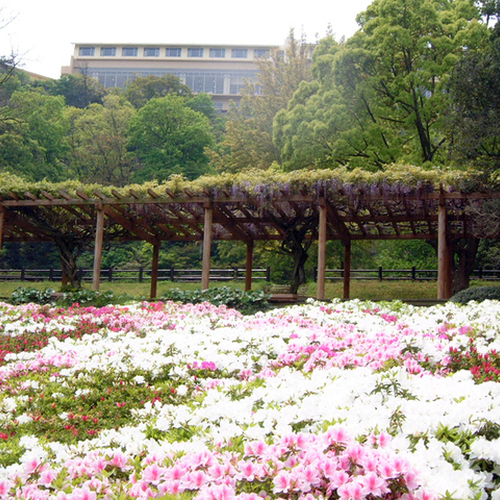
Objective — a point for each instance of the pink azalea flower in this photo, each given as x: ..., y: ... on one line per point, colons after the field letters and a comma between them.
x: 196, y: 479
x: 152, y: 473
x: 282, y: 482
x: 119, y: 460
x: 338, y: 478
x: 171, y: 487
x: 248, y: 470
x: 83, y: 493
x: 373, y: 485
x: 218, y: 492
x: 351, y: 491
x: 5, y: 486
x: 31, y: 465
x: 336, y: 435
x: 248, y: 496
x: 47, y: 476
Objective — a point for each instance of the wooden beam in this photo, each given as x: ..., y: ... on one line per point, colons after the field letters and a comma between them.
x: 444, y: 255
x: 249, y: 266
x: 207, y: 245
x: 154, y: 272
x: 2, y: 218
x: 99, y: 235
x: 347, y: 269
x: 321, y: 250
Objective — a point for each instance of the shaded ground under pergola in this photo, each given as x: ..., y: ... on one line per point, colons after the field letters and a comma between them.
x: 369, y: 213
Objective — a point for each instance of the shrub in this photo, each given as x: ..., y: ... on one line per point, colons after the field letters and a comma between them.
x: 478, y: 294
x: 86, y: 297
x: 83, y: 297
x: 22, y: 295
x: 246, y: 302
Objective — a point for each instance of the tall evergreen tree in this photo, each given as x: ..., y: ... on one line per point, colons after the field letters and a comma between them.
x: 384, y: 98
x: 248, y: 142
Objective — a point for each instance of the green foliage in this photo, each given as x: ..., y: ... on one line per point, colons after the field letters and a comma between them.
x: 33, y: 136
x: 380, y: 97
x: 83, y: 297
x: 98, y: 142
x: 24, y: 295
x: 400, y: 177
x: 477, y: 294
x: 78, y: 91
x: 248, y: 142
x: 404, y: 255
x: 246, y: 302
x: 475, y: 111
x: 110, y: 404
x: 168, y: 137
x: 141, y: 90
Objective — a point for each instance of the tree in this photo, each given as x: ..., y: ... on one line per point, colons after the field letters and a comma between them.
x: 8, y: 63
x: 33, y: 136
x: 167, y: 137
x: 248, y: 142
x: 383, y: 99
x: 474, y: 115
x: 78, y: 91
x: 98, y: 142
x: 140, y: 90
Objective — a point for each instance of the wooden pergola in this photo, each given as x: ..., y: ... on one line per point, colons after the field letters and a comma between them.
x: 360, y: 213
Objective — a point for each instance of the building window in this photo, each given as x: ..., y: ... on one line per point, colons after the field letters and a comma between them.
x: 108, y: 51
x: 239, y: 53
x: 237, y: 82
x: 129, y: 52
x: 151, y: 52
x: 173, y: 52
x: 86, y: 51
x: 195, y: 52
x: 217, y: 52
x: 261, y: 53
x: 211, y: 83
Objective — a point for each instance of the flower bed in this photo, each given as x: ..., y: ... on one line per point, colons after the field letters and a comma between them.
x: 333, y: 400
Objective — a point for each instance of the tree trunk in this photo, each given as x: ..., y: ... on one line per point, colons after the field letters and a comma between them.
x: 69, y: 252
x: 465, y: 250
x: 464, y: 260
x: 296, y: 245
x: 299, y: 256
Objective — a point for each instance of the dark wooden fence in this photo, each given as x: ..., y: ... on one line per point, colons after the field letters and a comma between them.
x: 187, y: 275
x: 403, y: 274
x: 139, y: 274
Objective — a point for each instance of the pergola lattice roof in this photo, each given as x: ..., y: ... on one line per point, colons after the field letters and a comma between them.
x: 154, y: 218
x: 324, y: 207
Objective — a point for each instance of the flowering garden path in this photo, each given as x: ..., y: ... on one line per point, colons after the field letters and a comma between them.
x: 340, y: 400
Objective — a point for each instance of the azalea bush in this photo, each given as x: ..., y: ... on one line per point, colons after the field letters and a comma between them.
x: 340, y: 400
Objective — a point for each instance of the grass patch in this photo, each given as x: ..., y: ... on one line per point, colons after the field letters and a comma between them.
x: 360, y: 289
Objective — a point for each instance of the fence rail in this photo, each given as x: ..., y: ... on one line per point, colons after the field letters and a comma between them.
x: 139, y: 274
x: 413, y: 274
x: 228, y: 274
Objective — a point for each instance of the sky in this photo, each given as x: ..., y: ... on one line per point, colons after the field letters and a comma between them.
x: 42, y: 32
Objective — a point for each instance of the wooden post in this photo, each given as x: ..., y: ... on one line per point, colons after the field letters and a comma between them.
x: 249, y: 266
x: 154, y: 271
x: 347, y: 269
x: 321, y: 250
x: 207, y: 245
x: 444, y: 256
x: 2, y: 218
x: 99, y: 235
